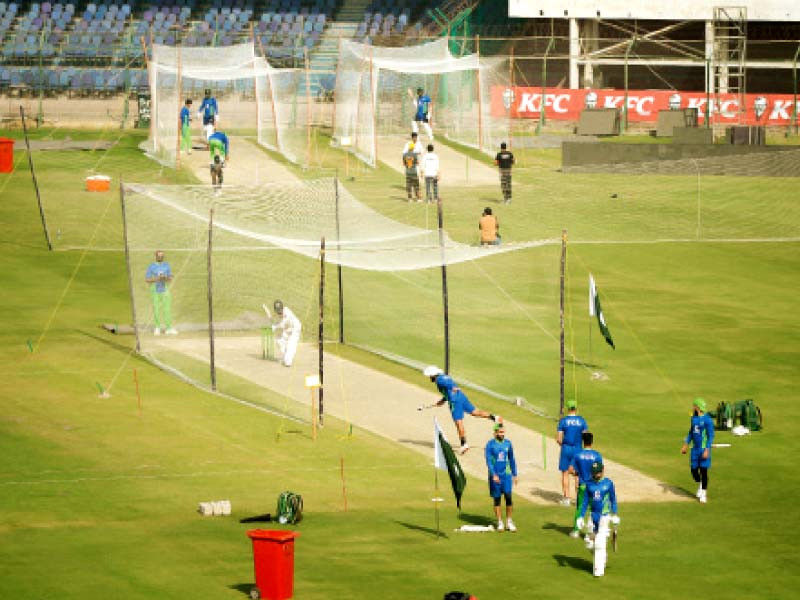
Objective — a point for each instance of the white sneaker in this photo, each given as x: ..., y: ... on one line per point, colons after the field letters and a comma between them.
x: 703, y: 499
x: 510, y: 526
x: 156, y: 331
x: 463, y: 450
x: 574, y: 533
x: 171, y: 331
x: 564, y: 502
x: 699, y: 490
x: 500, y: 526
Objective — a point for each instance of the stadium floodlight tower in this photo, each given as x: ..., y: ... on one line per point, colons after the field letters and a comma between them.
x: 255, y: 99
x: 375, y: 89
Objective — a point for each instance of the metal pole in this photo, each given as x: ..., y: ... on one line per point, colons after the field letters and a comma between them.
x: 708, y: 95
x: 445, y: 302
x: 211, y: 304
x: 40, y: 113
x: 321, y: 325
x: 178, y: 137
x: 794, y: 82
x: 480, y: 103
x: 339, y: 262
x: 128, y: 262
x: 561, y: 312
x: 542, y: 117
x: 35, y: 183
x: 513, y: 97
x: 625, y: 105
x: 308, y: 110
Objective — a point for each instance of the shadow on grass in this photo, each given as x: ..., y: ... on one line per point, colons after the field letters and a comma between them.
x: 580, y: 564
x: 422, y: 443
x: 427, y: 530
x: 678, y: 491
x: 104, y: 340
x: 475, y: 519
x: 243, y: 587
x: 565, y: 529
x: 485, y: 199
x: 546, y: 494
x: 582, y: 363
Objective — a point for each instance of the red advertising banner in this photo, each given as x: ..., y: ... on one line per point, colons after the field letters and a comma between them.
x: 643, y: 105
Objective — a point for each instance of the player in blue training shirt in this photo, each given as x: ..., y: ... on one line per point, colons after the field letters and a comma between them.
x: 502, y: 474
x: 158, y: 276
x: 185, y: 121
x: 701, y: 436
x: 601, y: 498
x: 423, y: 112
x: 458, y: 402
x: 570, y: 429
x: 209, y: 111
x: 581, y: 466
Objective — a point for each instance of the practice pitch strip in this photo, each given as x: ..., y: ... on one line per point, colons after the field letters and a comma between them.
x: 388, y: 407
x: 248, y: 165
x: 457, y: 170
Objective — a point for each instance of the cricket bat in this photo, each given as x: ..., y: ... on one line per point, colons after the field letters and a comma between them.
x: 266, y: 310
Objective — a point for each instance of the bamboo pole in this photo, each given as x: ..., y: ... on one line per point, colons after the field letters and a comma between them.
x: 480, y: 101
x: 561, y: 315
x: 212, y: 364
x: 321, y: 335
x: 128, y: 263
x: 35, y: 182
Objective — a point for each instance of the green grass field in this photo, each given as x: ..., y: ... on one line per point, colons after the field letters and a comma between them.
x: 98, y: 495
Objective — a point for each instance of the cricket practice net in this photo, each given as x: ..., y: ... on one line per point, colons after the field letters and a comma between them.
x: 264, y: 243
x: 376, y: 87
x: 254, y: 98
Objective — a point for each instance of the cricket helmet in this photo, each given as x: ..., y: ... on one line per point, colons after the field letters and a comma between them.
x: 431, y: 371
x: 597, y: 469
x: 278, y: 307
x: 208, y: 91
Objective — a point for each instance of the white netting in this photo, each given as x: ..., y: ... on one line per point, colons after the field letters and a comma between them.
x: 294, y: 216
x: 254, y: 98
x: 372, y: 95
x: 266, y: 246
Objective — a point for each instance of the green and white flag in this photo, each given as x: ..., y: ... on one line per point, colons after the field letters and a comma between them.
x: 596, y: 310
x: 445, y: 459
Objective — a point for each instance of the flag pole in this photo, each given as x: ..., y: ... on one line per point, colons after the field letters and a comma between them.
x: 436, y: 499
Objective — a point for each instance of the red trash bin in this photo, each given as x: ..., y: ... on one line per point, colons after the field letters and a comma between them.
x: 6, y: 155
x: 273, y: 556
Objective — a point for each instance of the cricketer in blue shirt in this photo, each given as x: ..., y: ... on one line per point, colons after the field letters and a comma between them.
x: 502, y: 473
x: 158, y: 275
x: 600, y: 499
x: 423, y: 102
x: 581, y: 465
x: 570, y: 428
x: 700, y: 436
x: 218, y: 141
x: 457, y: 401
x: 208, y: 109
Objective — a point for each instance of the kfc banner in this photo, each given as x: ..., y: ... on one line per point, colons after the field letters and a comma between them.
x: 643, y: 105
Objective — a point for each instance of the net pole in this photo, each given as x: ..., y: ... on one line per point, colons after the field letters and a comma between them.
x: 372, y: 89
x: 151, y: 75
x: 339, y: 263
x: 335, y: 100
x: 511, y: 108
x: 212, y: 365
x: 308, y: 106
x: 35, y: 182
x: 480, y: 102
x: 561, y: 313
x: 128, y: 263
x: 321, y: 325
x: 179, y: 85
x: 444, y: 289
x: 255, y: 87
x: 794, y: 87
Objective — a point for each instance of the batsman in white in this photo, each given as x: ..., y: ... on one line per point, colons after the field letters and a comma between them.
x: 602, y: 498
x: 290, y: 328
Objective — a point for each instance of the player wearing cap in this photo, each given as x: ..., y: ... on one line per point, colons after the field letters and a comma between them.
x: 458, y: 402
x: 422, y: 112
x: 290, y: 332
x: 570, y: 428
x: 502, y: 474
x: 601, y: 497
x: 701, y: 436
x: 209, y: 112
x: 581, y: 466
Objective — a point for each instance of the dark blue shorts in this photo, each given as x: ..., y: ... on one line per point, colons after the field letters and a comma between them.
x: 503, y: 487
x: 565, y: 459
x: 697, y: 461
x: 461, y: 405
